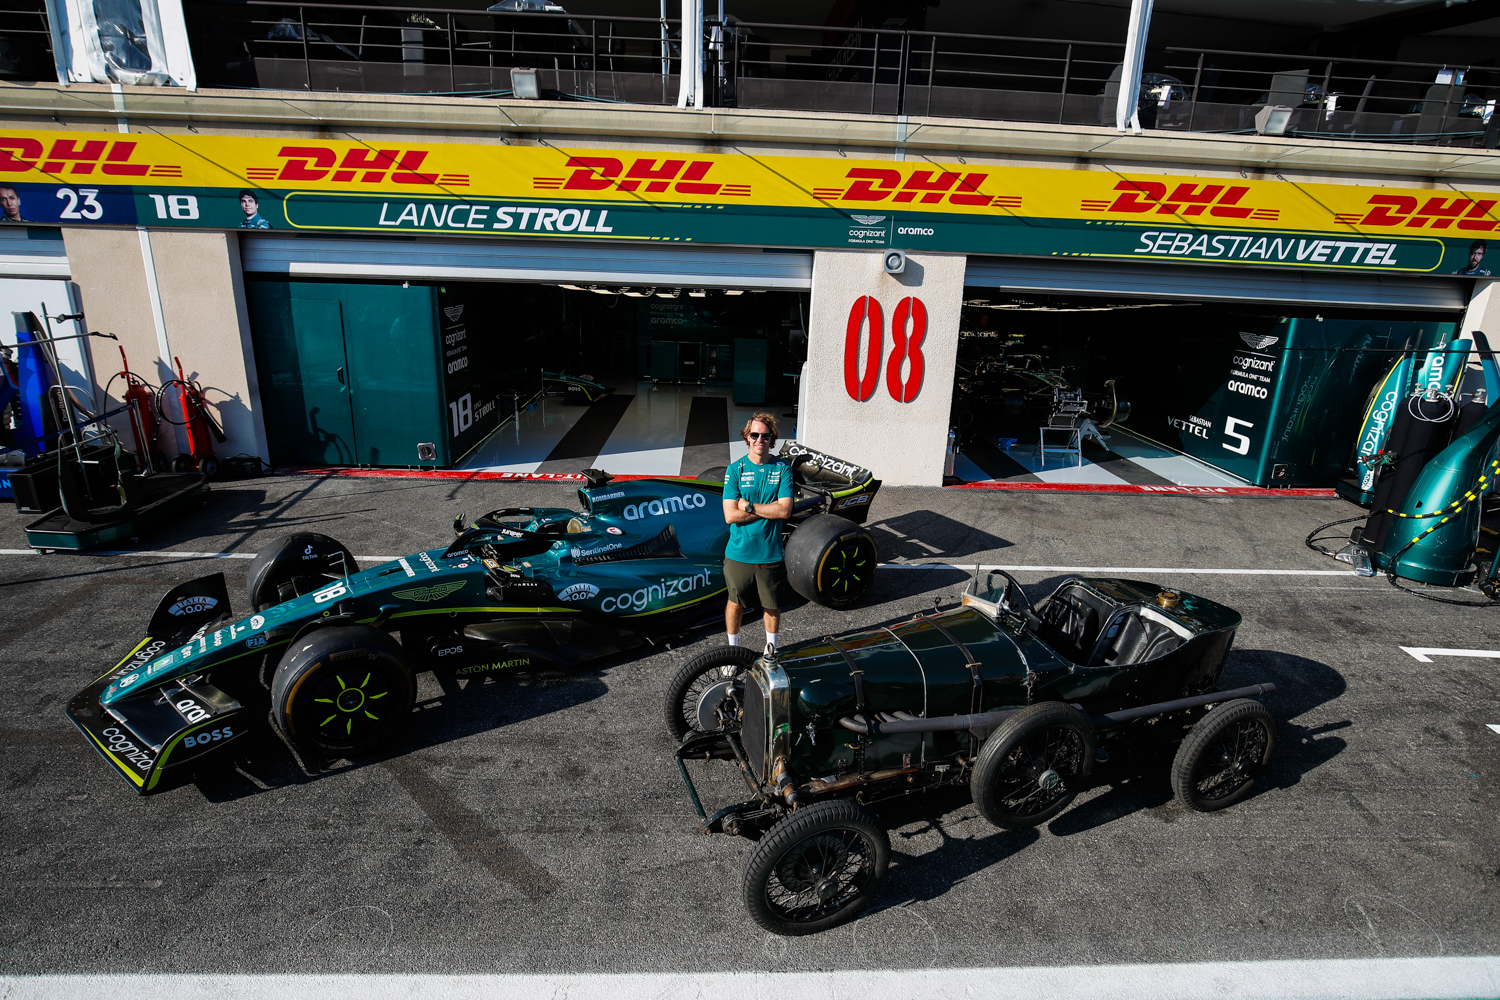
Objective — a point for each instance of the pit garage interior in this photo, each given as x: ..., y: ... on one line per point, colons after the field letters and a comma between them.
x: 458, y: 354
x: 1222, y: 377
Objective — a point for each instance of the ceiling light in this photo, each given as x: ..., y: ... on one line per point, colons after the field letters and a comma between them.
x: 698, y: 293
x: 734, y: 291
x: 1272, y: 119
x: 574, y: 288
x: 670, y: 293
x: 645, y: 293
x: 601, y: 291
x: 523, y: 84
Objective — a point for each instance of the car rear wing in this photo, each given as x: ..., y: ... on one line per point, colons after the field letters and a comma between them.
x: 848, y: 488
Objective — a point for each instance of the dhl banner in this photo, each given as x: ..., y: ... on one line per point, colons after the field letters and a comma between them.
x: 73, y: 178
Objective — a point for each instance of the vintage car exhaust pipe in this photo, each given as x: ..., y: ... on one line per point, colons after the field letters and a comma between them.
x: 989, y: 720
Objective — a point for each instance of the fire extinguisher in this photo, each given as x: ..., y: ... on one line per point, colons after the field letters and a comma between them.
x: 202, y: 429
x: 142, y: 395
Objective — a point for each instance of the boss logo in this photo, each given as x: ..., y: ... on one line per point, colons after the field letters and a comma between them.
x: 209, y: 737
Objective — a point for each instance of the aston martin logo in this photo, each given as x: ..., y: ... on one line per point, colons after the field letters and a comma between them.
x: 424, y: 594
x: 1257, y: 341
x: 867, y: 220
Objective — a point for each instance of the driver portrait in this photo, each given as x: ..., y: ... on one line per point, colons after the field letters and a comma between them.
x: 250, y: 205
x: 1476, y: 257
x: 10, y: 205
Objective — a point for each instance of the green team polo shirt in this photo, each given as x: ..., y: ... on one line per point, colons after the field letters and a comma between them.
x: 760, y: 540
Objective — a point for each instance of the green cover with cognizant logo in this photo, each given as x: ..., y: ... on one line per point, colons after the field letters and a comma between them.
x: 1279, y: 408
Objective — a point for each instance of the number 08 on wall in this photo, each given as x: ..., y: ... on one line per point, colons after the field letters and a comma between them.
x: 908, y: 330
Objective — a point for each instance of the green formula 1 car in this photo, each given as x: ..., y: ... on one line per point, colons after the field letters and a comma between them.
x: 335, y: 650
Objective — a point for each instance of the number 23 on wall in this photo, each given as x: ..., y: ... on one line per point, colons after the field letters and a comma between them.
x: 908, y: 330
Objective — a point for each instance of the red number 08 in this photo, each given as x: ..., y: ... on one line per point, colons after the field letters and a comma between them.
x: 866, y: 316
x: 861, y: 386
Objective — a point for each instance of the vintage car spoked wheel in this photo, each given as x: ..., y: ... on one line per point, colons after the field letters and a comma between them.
x: 831, y: 560
x: 342, y: 689
x: 1033, y: 765
x: 1224, y: 755
x: 698, y: 692
x: 816, y: 868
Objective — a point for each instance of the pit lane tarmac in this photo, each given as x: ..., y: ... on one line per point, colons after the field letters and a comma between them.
x: 534, y: 824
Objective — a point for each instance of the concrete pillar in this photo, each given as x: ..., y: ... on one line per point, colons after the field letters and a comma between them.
x: 901, y: 442
x: 1483, y: 313
x: 166, y: 293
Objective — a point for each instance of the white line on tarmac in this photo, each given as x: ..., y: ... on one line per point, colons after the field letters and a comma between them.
x: 970, y: 567
x: 1424, y: 654
x: 963, y: 567
x: 1494, y: 726
x: 1451, y: 978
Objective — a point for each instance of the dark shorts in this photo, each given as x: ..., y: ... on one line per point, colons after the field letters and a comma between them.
x: 745, y: 580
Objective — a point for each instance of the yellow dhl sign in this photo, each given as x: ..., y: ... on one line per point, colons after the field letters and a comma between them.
x: 74, y: 178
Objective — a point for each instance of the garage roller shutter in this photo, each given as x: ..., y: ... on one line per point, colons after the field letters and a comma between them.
x: 1215, y: 284
x: 33, y: 253
x: 581, y: 262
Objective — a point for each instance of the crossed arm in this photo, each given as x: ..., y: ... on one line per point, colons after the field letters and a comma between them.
x: 735, y: 512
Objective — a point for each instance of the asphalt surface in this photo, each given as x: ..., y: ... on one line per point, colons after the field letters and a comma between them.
x: 535, y: 822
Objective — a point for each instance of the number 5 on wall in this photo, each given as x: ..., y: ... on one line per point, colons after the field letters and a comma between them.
x: 866, y: 316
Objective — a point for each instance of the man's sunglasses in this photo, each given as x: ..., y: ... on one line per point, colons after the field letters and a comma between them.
x: 756, y: 436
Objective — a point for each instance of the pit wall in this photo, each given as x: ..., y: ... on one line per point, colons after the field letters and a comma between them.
x: 901, y: 440
x: 166, y: 294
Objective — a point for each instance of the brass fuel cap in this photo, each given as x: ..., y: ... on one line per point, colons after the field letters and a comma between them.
x: 1169, y: 598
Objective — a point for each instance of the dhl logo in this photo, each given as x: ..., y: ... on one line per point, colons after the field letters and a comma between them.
x: 1437, y: 213
x: 19, y: 154
x: 359, y: 165
x: 1220, y: 201
x: 601, y: 173
x: 923, y: 187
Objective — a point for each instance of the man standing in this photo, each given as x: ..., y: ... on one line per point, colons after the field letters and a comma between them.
x: 757, y: 498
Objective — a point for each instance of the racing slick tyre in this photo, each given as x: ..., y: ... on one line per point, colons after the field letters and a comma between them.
x: 816, y: 868
x: 1033, y: 765
x: 830, y: 560
x: 341, y: 690
x: 295, y: 565
x: 1224, y: 755
x: 704, y: 684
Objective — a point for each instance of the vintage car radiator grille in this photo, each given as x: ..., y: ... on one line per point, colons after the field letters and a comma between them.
x: 757, y: 722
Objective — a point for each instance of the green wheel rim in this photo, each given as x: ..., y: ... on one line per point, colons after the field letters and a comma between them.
x: 846, y: 570
x: 349, y: 704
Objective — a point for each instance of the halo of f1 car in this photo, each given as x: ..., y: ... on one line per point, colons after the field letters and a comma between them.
x: 1019, y: 702
x: 642, y: 562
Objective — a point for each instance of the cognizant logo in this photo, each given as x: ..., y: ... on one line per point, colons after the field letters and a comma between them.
x: 668, y: 587
x: 666, y: 505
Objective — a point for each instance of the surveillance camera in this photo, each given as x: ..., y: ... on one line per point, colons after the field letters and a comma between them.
x: 895, y: 262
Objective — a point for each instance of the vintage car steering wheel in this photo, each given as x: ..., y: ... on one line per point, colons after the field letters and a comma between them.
x: 1014, y: 598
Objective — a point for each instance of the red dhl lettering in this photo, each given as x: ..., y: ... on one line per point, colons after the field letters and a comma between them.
x: 370, y: 166
x: 600, y: 173
x: 1435, y: 213
x: 927, y: 187
x: 18, y: 155
x: 1185, y: 199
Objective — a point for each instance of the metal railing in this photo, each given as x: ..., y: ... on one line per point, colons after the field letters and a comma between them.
x: 25, y: 41
x: 360, y: 48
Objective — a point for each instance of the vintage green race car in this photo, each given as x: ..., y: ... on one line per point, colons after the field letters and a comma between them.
x: 335, y: 650
x: 1020, y: 703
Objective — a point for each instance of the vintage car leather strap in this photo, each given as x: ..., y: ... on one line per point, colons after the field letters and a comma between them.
x: 976, y: 698
x: 858, y: 676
